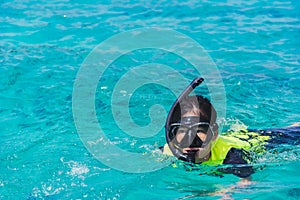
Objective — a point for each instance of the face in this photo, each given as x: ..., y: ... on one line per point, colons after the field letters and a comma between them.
x: 202, y: 154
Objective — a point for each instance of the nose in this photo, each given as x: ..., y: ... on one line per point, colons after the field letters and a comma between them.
x: 196, y: 141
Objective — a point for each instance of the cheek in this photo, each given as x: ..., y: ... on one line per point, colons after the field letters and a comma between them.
x: 202, y: 136
x: 204, y: 152
x: 179, y: 137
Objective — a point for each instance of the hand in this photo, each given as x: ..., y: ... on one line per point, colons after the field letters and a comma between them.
x: 296, y: 124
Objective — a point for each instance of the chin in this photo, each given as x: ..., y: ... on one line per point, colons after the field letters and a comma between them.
x: 202, y: 154
x: 185, y: 150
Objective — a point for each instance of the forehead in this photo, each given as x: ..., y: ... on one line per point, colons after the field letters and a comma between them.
x: 192, y: 113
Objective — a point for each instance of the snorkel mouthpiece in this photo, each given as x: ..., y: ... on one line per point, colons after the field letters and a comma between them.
x: 190, y: 156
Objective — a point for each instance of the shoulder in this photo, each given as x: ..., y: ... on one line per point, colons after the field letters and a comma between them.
x: 238, y: 158
x: 232, y: 142
x: 166, y: 150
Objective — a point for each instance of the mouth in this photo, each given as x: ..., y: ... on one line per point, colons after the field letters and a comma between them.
x: 191, y: 150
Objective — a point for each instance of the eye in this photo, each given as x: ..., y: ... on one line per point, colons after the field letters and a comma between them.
x: 200, y: 130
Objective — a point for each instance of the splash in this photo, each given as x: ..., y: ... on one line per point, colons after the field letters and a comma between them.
x: 76, y: 169
x: 281, y: 154
x: 232, y: 125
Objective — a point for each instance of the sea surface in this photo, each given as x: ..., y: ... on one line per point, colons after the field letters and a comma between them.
x: 44, y: 45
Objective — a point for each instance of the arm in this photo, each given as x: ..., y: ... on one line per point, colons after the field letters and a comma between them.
x: 295, y: 124
x: 226, y: 192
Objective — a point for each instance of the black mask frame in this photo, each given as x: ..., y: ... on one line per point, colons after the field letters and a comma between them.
x: 189, y: 134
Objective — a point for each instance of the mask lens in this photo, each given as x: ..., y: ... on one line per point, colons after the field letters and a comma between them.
x: 179, y: 132
x: 190, y: 136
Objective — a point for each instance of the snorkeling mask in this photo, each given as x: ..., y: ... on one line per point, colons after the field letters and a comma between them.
x: 184, y: 134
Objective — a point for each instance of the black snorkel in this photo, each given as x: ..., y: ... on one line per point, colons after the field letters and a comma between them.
x: 190, y: 156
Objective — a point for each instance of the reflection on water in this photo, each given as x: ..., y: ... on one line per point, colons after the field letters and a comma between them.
x: 42, y: 45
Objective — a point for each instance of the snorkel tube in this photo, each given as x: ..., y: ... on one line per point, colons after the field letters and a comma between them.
x: 176, y: 152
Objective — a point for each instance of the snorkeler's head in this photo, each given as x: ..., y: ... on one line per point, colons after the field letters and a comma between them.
x: 191, y: 125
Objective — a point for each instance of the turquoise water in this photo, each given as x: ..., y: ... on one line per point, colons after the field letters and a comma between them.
x: 254, y: 44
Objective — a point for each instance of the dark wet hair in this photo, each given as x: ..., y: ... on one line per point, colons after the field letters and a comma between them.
x: 197, y: 104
